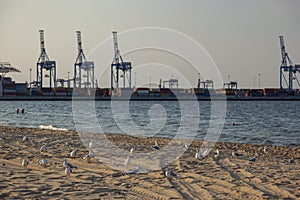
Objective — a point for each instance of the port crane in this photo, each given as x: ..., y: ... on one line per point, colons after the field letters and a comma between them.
x: 45, y: 64
x: 119, y: 65
x: 83, y: 69
x: 207, y: 84
x: 288, y: 71
x: 6, y: 67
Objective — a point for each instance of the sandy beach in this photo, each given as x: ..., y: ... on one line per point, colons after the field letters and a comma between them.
x: 272, y: 176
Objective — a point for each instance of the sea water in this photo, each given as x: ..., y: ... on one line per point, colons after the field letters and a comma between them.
x: 257, y: 122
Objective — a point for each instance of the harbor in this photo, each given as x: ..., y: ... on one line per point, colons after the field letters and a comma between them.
x: 84, y: 86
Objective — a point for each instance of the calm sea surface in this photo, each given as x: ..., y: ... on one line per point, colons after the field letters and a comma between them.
x: 258, y: 122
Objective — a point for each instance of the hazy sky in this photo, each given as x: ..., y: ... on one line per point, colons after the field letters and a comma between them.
x: 240, y: 36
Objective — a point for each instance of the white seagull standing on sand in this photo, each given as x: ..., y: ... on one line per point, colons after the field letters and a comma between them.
x: 155, y: 146
x: 25, y: 163
x: 265, y: 149
x: 253, y: 159
x: 43, y: 162
x: 68, y: 171
x: 186, y: 146
x: 170, y: 174
x: 91, y: 144
x: 69, y: 143
x: 43, y: 149
x: 127, y: 162
x: 25, y: 138
x: 66, y: 164
x: 73, y: 154
x: 132, y: 149
x: 199, y: 155
x: 218, y: 153
x: 205, y: 153
x: 89, y: 156
x: 235, y: 154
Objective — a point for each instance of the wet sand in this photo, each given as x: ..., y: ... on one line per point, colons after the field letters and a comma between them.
x: 222, y: 177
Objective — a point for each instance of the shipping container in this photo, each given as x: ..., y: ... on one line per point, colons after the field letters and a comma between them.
x: 240, y: 93
x: 9, y: 91
x: 47, y: 92
x: 271, y: 92
x: 125, y: 92
x: 36, y: 92
x: 21, y: 89
x: 256, y: 93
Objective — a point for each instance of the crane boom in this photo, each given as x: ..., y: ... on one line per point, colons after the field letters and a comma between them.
x: 116, y: 48
x: 284, y: 55
x: 283, y: 52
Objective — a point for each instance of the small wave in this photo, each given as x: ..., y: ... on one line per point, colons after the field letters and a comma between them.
x: 50, y: 127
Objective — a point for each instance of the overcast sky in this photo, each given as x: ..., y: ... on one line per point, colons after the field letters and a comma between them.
x: 240, y: 36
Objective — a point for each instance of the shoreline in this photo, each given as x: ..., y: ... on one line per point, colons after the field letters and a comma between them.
x: 54, y: 128
x: 271, y: 176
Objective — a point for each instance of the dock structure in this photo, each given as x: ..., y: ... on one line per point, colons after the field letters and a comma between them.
x: 45, y: 64
x: 84, y: 70
x: 119, y: 68
x: 288, y: 70
x: 85, y: 85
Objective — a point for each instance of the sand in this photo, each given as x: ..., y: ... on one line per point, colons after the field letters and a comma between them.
x: 223, y: 177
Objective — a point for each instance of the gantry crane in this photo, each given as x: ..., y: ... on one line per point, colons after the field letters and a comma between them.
x: 44, y: 63
x: 83, y: 69
x: 287, y: 67
x: 117, y: 65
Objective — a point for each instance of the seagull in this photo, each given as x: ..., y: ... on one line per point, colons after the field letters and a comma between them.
x: 253, y: 159
x: 25, y: 138
x: 256, y: 154
x: 127, y: 161
x: 292, y: 160
x: 88, y: 156
x: 43, y: 149
x: 91, y: 154
x: 234, y: 153
x: 155, y: 146
x: 205, y: 153
x: 69, y: 143
x: 43, y: 162
x: 24, y: 163
x: 68, y: 171
x: 132, y: 149
x: 66, y: 164
x: 135, y: 171
x: 91, y: 144
x: 199, y: 155
x: 218, y: 153
x: 186, y: 146
x: 73, y: 153
x: 171, y: 174
x: 265, y: 149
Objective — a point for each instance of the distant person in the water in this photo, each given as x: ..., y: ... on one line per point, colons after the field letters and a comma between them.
x: 23, y: 111
x: 18, y: 111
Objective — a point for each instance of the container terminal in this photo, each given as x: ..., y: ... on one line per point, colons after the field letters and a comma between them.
x: 84, y: 86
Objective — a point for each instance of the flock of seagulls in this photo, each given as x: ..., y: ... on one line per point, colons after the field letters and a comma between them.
x: 168, y: 173
x: 67, y: 166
